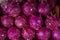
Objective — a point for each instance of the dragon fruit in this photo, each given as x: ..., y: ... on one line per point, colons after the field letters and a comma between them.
x: 35, y: 22
x: 28, y: 9
x: 28, y: 33
x: 21, y: 21
x: 13, y: 33
x: 52, y: 22
x: 43, y: 34
x: 7, y: 21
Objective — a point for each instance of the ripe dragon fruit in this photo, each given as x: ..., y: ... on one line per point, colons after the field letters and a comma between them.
x: 13, y: 33
x: 52, y: 22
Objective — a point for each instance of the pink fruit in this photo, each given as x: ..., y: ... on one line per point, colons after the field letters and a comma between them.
x: 21, y: 21
x: 13, y: 33
x: 14, y: 10
x: 52, y: 22
x: 43, y: 9
x: 11, y: 9
x: 35, y: 22
x: 2, y: 33
x: 56, y: 34
x: 7, y: 21
x: 4, y: 6
x: 43, y: 33
x: 31, y: 0
x: 28, y: 33
x: 28, y: 9
x: 13, y: 1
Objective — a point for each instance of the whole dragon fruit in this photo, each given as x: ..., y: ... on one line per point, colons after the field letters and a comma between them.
x: 7, y: 21
x: 28, y: 33
x: 43, y: 34
x: 28, y: 8
x: 13, y: 33
x: 10, y: 9
x: 43, y: 8
x: 52, y: 22
x: 21, y: 21
x: 35, y: 22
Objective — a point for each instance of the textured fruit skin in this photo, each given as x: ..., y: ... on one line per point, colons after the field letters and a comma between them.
x: 52, y: 22
x: 11, y: 9
x: 7, y: 21
x: 35, y: 22
x: 43, y: 9
x: 31, y: 0
x: 3, y: 33
x: 28, y: 9
x: 56, y: 34
x: 43, y: 33
x: 21, y: 21
x: 4, y: 6
x: 13, y: 33
x: 28, y: 33
x: 13, y: 1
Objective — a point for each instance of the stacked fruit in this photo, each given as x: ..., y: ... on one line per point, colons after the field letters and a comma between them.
x: 29, y: 20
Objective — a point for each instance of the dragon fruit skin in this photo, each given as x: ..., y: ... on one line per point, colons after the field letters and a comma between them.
x: 13, y: 33
x: 21, y: 21
x: 28, y: 9
x: 56, y: 34
x: 13, y: 1
x: 28, y: 33
x: 43, y: 34
x: 43, y: 9
x: 52, y: 22
x: 35, y: 22
x: 10, y: 9
x: 7, y: 21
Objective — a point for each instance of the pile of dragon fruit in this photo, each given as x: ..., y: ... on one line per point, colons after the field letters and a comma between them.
x: 29, y: 20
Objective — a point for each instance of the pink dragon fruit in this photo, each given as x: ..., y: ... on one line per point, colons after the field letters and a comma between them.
x: 10, y: 9
x: 21, y: 21
x: 43, y: 9
x: 43, y: 34
x: 13, y: 33
x: 52, y: 22
x: 7, y: 21
x: 28, y: 33
x: 13, y: 1
x: 56, y: 34
x: 28, y: 9
x: 35, y: 22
